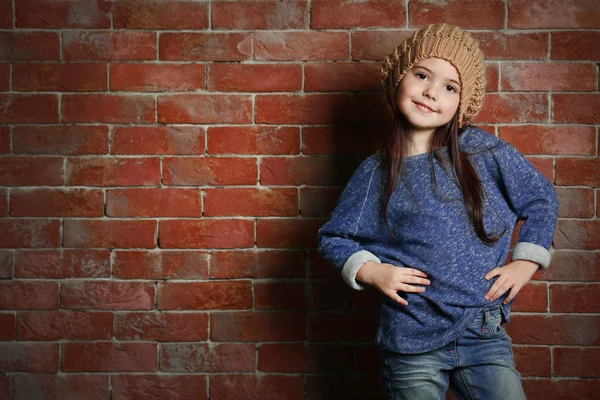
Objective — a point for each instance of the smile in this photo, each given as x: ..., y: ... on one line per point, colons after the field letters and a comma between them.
x: 422, y: 107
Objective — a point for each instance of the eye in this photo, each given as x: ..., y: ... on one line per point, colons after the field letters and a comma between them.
x: 451, y: 88
x: 421, y: 75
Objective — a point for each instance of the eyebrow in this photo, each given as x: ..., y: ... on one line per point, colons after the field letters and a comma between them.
x: 433, y: 73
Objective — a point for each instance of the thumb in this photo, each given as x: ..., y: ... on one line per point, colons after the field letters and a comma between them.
x: 493, y: 273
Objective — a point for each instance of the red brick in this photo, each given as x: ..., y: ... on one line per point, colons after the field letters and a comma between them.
x: 306, y: 170
x: 533, y: 361
x: 157, y: 77
x: 375, y: 45
x: 210, y: 171
x: 323, y: 387
x: 23, y: 295
x: 544, y: 77
x: 257, y: 326
x: 364, y: 300
x: 30, y: 171
x: 3, y: 202
x: 533, y: 297
x: 256, y: 264
x: 514, y: 108
x: 545, y: 165
x: 575, y: 202
x: 61, y: 264
x: 205, y: 108
x: 29, y: 233
x: 342, y: 327
x: 268, y: 387
x: 253, y: 140
x: 107, y: 295
x: 153, y: 202
x: 297, y: 357
x: 109, y: 46
x: 29, y: 357
x: 16, y: 46
x: 109, y: 233
x: 572, y: 266
x: 549, y: 14
x: 162, y: 327
x: 561, y: 389
x: 98, y: 171
x: 60, y: 77
x: 63, y: 14
x: 582, y: 363
x: 60, y: 139
x: 301, y: 46
x: 319, y: 268
x: 301, y: 295
x: 549, y: 139
x: 220, y: 295
x: 156, y: 14
x: 544, y: 329
x: 8, y: 330
x: 575, y: 45
x: 255, y: 78
x: 302, y: 109
x: 199, y: 234
x: 577, y: 234
x: 158, y: 140
x: 108, y: 108
x: 287, y: 232
x: 576, y: 108
x: 513, y: 45
x: 492, y: 77
x: 186, y: 387
x: 361, y: 140
x: 110, y: 357
x: 63, y: 386
x: 4, y: 139
x: 265, y: 15
x: 261, y: 202
x: 197, y: 46
x: 161, y: 264
x: 28, y: 108
x: 466, y: 13
x: 343, y: 77
x: 578, y: 171
x: 6, y: 22
x: 68, y: 325
x: 57, y: 203
x: 574, y: 298
x: 196, y: 357
x: 318, y: 202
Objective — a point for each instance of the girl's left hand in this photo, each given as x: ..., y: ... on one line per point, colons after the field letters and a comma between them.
x: 511, y: 276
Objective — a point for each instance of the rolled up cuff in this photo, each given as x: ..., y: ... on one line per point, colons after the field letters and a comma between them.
x: 353, y: 264
x: 531, y: 252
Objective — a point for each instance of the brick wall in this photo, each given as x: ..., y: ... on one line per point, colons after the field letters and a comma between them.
x: 165, y: 166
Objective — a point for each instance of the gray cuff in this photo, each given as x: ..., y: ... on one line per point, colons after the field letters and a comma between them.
x: 353, y: 264
x: 531, y: 252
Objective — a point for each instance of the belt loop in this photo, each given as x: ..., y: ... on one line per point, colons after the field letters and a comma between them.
x: 486, y: 319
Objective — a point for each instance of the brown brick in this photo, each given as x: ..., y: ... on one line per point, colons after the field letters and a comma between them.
x: 108, y: 108
x: 375, y: 45
x: 29, y: 233
x: 268, y: 387
x: 30, y: 171
x: 514, y: 108
x: 257, y: 326
x: 578, y: 171
x: 198, y: 234
x: 4, y: 139
x: 23, y: 295
x: 298, y: 357
x: 29, y: 357
x: 533, y: 361
x: 255, y: 78
x: 158, y: 140
x: 575, y: 298
x: 513, y: 45
x: 342, y: 139
x: 578, y: 108
x: 575, y: 45
x: 544, y: 77
x: 323, y: 387
x: 157, y: 77
x: 107, y: 295
x: 109, y: 46
x: 161, y: 264
x: 6, y: 22
x: 205, y: 109
x: 577, y: 234
x: 301, y: 295
x: 162, y: 327
x: 197, y: 46
x: 549, y: 139
x: 265, y: 15
x: 199, y: 357
x: 370, y: 108
x: 318, y: 202
x: 572, y: 266
x: 581, y: 363
x: 466, y: 13
x: 546, y: 14
x: 343, y: 77
x: 220, y: 295
x: 253, y: 140
x: 561, y: 389
x: 575, y: 202
x: 153, y: 202
x: 60, y: 139
x: 17, y: 46
x: 46, y: 14
x: 156, y: 14
x: 259, y: 202
x: 287, y: 232
x: 544, y: 329
x: 256, y: 264
x: 302, y: 109
x: 306, y: 170
x: 62, y: 264
x: 113, y: 171
x: 343, y: 327
x: 89, y: 387
x: 161, y: 386
x: 109, y: 357
x: 210, y: 171
x: 60, y: 77
x: 57, y: 203
x: 533, y: 297
x: 28, y: 108
x: 109, y: 233
x: 301, y: 46
x: 8, y: 328
x: 68, y: 325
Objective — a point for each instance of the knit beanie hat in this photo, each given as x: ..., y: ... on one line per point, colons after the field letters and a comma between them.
x: 447, y: 42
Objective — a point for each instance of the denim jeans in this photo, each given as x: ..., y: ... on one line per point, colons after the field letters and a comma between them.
x: 478, y: 365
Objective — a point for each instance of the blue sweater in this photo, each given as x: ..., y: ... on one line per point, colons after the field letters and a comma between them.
x: 434, y: 235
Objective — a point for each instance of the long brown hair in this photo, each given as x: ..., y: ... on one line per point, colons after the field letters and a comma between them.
x: 393, y: 147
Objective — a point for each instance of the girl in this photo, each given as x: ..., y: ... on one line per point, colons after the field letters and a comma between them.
x: 427, y: 220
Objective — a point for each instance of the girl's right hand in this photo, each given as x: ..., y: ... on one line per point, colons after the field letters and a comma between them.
x: 389, y: 279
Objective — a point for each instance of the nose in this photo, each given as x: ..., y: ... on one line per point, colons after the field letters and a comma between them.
x: 430, y: 92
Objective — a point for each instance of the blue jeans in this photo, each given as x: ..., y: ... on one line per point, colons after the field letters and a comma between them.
x: 478, y: 365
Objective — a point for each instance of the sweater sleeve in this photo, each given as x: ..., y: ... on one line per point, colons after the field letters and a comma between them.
x: 340, y: 238
x: 533, y: 199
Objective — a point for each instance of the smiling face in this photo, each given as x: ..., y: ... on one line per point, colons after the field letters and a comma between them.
x: 429, y: 95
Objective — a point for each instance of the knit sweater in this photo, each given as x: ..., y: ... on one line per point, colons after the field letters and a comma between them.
x: 433, y: 234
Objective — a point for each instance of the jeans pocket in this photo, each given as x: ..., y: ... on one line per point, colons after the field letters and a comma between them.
x: 492, y: 325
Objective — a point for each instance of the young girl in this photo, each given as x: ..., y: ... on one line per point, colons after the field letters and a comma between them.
x: 428, y: 220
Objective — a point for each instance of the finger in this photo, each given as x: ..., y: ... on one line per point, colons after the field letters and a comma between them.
x: 495, y: 287
x: 415, y: 272
x: 394, y: 296
x: 414, y: 279
x: 493, y: 273
x: 410, y: 288
x: 503, y: 289
x: 513, y: 293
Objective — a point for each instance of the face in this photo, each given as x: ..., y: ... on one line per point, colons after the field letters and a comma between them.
x: 429, y: 94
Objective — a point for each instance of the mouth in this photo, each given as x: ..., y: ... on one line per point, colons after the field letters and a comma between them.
x: 423, y: 107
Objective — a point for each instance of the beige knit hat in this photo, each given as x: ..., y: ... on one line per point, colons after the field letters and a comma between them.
x: 447, y: 42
